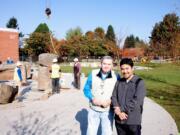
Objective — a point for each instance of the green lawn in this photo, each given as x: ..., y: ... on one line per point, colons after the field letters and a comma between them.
x: 163, y: 86
x: 162, y: 83
x: 69, y: 69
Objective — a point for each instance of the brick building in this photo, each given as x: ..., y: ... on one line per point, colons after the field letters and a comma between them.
x: 9, y: 44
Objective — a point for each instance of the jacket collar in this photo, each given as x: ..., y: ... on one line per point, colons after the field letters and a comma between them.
x: 99, y: 74
x: 133, y: 79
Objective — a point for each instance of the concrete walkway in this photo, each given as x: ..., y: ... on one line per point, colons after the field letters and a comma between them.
x: 66, y: 114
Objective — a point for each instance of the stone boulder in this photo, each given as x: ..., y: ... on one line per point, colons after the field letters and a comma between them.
x: 7, y: 93
x: 4, y: 67
x: 6, y: 74
x: 44, y: 81
x: 45, y: 59
x: 7, y: 71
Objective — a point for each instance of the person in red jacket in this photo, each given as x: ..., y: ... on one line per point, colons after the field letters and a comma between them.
x: 77, y: 73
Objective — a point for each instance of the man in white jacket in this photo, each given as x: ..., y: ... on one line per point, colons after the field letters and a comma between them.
x: 98, y: 89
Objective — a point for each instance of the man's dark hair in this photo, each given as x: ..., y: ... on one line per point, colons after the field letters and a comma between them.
x: 127, y: 61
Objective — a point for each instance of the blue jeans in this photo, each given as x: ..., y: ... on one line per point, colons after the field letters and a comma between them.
x: 96, y: 118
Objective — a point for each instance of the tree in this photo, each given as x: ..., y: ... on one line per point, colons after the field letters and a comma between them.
x: 97, y: 48
x: 73, y: 33
x: 99, y: 33
x: 90, y: 35
x: 66, y: 50
x: 163, y: 36
x: 176, y: 48
x: 56, y: 46
x: 42, y: 28
x: 39, y: 41
x: 141, y: 44
x: 12, y: 23
x: 119, y: 39
x: 112, y: 49
x: 110, y: 35
x: 129, y: 42
x: 137, y: 39
x: 134, y: 42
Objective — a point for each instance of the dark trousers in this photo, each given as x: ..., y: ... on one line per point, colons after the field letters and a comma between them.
x: 55, y: 85
x: 77, y: 81
x: 123, y: 129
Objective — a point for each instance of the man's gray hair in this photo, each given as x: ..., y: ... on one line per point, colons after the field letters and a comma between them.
x: 106, y: 57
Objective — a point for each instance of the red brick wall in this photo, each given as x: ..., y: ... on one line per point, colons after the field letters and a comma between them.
x: 9, y: 44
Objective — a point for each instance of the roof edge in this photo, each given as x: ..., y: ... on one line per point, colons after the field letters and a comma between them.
x: 9, y: 30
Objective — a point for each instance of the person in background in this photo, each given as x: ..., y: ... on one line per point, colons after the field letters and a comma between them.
x: 77, y: 73
x: 18, y: 76
x: 98, y: 89
x: 127, y: 99
x: 9, y: 61
x: 55, y: 76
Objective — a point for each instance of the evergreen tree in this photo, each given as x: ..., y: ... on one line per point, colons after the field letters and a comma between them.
x: 129, y: 42
x: 110, y: 35
x: 134, y: 42
x: 42, y: 28
x: 12, y: 23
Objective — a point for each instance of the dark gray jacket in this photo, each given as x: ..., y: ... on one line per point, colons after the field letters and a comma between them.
x: 129, y: 98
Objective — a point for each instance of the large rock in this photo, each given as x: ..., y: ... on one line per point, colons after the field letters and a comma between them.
x: 7, y: 93
x: 7, y: 71
x: 45, y: 59
x: 44, y: 81
x: 6, y: 74
x: 26, y: 71
x: 4, y: 67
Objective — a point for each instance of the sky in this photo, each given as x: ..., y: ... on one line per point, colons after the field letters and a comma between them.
x: 136, y: 17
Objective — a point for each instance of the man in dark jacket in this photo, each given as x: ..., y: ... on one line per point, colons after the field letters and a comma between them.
x: 127, y: 99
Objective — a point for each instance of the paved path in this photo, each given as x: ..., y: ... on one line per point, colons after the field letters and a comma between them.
x: 66, y: 114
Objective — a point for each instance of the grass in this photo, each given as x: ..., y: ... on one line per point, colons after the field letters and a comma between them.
x: 69, y: 69
x: 162, y: 83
